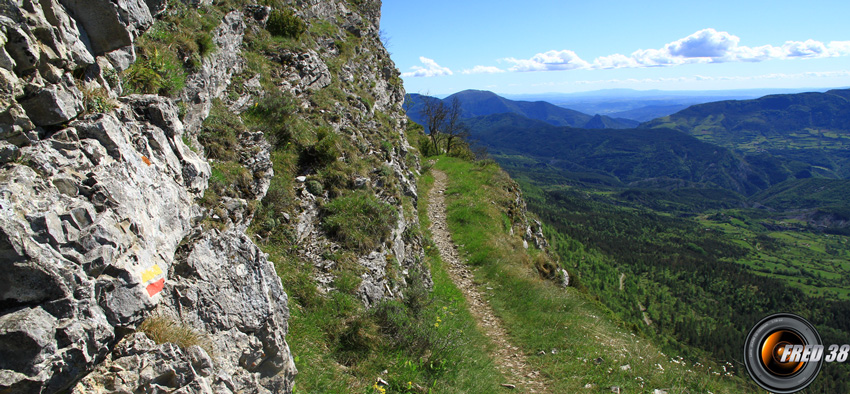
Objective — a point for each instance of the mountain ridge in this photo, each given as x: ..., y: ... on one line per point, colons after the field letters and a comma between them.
x: 812, y: 128
x: 624, y: 155
x: 481, y: 102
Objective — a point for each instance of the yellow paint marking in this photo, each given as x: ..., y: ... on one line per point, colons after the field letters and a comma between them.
x: 151, y: 273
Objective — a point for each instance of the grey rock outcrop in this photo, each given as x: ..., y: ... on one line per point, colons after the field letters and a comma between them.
x: 99, y: 227
x: 44, y: 42
x: 215, y: 73
x: 83, y: 233
x: 55, y: 103
x: 304, y: 72
x: 166, y: 368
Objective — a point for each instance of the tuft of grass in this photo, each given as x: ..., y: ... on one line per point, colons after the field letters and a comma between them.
x: 285, y: 24
x: 96, y: 99
x: 358, y: 220
x: 272, y: 114
x: 219, y: 133
x: 324, y: 152
x: 158, y: 71
x: 163, y: 329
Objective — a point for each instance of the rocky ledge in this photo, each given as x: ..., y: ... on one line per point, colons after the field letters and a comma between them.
x: 99, y: 226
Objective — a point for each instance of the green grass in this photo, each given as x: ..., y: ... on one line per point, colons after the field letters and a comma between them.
x: 540, y: 316
x: 358, y: 220
x: 174, y: 46
x: 220, y: 132
x: 284, y: 23
x: 427, y: 344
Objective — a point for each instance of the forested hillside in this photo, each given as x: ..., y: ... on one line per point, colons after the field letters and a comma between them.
x: 688, y: 237
x: 810, y: 131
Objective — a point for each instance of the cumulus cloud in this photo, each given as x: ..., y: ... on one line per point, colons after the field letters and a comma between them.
x: 549, y: 61
x: 484, y: 70
x: 431, y: 69
x: 704, y: 46
x: 839, y: 48
x: 700, y: 78
x: 704, y: 43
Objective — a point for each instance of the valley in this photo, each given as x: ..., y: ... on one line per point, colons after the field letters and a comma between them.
x: 238, y: 196
x: 694, y: 226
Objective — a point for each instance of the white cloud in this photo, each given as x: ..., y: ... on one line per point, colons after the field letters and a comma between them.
x: 431, y: 69
x: 700, y: 78
x: 614, y: 61
x: 704, y: 46
x: 808, y: 48
x: 483, y: 70
x: 839, y: 48
x: 704, y: 43
x: 549, y: 61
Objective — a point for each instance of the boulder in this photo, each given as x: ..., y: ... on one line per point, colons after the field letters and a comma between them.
x: 110, y: 24
x: 54, y: 104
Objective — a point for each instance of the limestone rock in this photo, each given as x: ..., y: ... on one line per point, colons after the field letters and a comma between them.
x: 241, y: 304
x: 305, y: 71
x: 54, y: 104
x: 92, y: 259
x: 8, y: 152
x: 216, y: 71
x: 140, y: 365
x: 110, y: 25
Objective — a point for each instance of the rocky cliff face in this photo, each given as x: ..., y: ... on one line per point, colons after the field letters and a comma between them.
x: 100, y: 222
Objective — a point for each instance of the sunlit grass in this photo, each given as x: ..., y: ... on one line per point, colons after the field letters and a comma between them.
x: 572, y: 339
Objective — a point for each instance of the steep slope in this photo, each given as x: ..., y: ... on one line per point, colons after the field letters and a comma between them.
x: 149, y: 147
x: 566, y: 335
x: 100, y: 223
x: 475, y: 103
x: 809, y: 128
x: 617, y: 157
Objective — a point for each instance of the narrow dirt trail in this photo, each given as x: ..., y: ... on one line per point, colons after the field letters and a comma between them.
x: 509, y: 359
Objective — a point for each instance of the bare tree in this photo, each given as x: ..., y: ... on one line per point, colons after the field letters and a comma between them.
x: 454, y: 128
x: 435, y: 113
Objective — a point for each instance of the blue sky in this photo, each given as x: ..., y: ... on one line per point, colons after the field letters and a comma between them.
x: 540, y: 46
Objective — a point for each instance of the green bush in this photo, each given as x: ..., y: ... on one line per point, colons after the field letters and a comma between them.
x: 315, y: 187
x: 358, y: 220
x: 156, y: 72
x: 324, y: 152
x: 285, y: 24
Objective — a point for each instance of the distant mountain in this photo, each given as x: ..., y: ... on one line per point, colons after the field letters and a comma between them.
x: 640, y: 157
x: 480, y: 103
x: 805, y: 128
x: 645, y: 105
